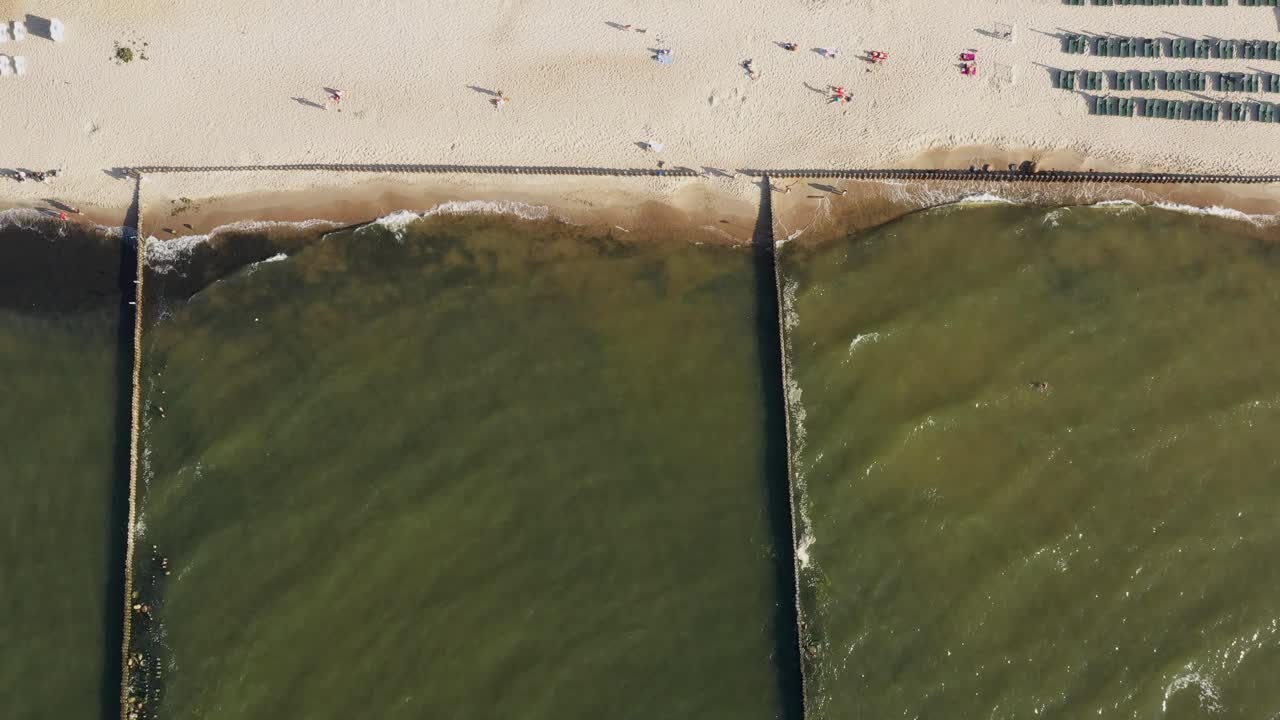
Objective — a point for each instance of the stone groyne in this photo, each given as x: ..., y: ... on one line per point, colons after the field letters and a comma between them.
x: 128, y: 710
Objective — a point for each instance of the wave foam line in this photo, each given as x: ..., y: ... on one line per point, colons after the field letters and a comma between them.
x: 396, y: 222
x: 490, y: 207
x: 985, y: 199
x: 162, y: 256
x: 1218, y: 211
x: 32, y: 219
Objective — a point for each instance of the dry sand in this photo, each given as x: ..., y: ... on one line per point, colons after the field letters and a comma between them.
x: 243, y: 82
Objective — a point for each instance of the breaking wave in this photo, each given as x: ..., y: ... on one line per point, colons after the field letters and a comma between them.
x: 163, y: 256
x: 1218, y: 211
x: 397, y: 222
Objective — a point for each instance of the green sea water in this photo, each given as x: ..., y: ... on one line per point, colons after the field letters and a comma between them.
x: 469, y: 468
x: 61, y: 437
x: 482, y: 468
x: 1036, y: 460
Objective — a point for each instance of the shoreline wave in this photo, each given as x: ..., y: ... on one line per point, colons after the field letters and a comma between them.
x: 396, y: 222
x: 32, y: 219
x: 162, y: 256
x: 1220, y: 212
x: 1119, y: 204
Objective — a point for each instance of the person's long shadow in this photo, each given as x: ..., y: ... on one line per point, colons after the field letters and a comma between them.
x: 118, y: 517
x: 777, y: 474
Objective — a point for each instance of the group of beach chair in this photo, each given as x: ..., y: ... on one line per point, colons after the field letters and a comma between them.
x: 1180, y: 110
x: 15, y: 31
x: 1203, y: 49
x: 1183, y: 80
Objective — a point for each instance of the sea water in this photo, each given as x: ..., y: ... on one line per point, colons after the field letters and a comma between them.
x: 468, y: 467
x: 63, y: 469
x: 1036, y: 462
x: 473, y: 467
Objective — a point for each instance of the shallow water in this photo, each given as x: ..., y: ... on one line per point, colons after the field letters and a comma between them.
x: 980, y: 548
x: 467, y: 469
x: 61, y: 438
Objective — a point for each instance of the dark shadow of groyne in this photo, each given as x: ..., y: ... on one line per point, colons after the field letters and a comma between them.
x: 775, y: 456
x: 412, y: 168
x: 1014, y: 174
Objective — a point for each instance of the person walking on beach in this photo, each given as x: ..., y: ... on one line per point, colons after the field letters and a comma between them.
x: 500, y: 101
x: 336, y: 97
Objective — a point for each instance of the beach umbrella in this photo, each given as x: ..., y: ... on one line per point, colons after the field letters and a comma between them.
x: 56, y: 30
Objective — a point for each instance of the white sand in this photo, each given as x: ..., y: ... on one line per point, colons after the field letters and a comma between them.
x: 232, y: 82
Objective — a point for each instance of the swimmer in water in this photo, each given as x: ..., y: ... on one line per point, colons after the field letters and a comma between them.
x: 1039, y: 385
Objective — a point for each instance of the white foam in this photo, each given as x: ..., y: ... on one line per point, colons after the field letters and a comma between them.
x: 163, y: 255
x: 32, y: 219
x: 1218, y: 211
x: 273, y: 259
x: 802, y: 549
x: 490, y: 207
x: 1051, y: 217
x: 985, y: 199
x: 396, y: 222
x: 863, y: 338
x: 21, y: 217
x: 1116, y: 204
x: 1203, y: 684
x: 796, y: 412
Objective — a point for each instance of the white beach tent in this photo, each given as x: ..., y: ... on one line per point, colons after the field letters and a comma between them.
x: 56, y: 30
x: 20, y: 65
x: 19, y: 30
x: 4, y: 65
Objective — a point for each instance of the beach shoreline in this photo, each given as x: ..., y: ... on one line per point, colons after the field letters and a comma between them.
x: 721, y: 205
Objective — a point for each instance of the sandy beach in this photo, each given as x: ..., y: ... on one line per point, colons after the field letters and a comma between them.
x: 241, y: 82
